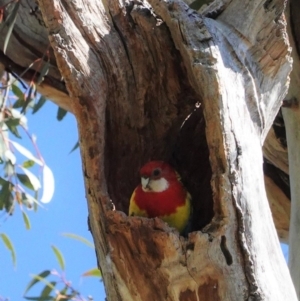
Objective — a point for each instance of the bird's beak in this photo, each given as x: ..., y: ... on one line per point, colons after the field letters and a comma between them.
x: 145, y: 182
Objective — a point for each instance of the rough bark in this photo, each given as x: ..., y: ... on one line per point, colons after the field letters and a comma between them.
x: 30, y: 38
x: 135, y: 72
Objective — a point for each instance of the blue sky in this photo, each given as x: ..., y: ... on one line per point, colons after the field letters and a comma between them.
x: 67, y: 212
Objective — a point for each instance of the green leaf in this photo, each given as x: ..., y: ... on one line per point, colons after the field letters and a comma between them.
x: 9, y: 204
x: 59, y: 257
x: 47, y: 290
x: 6, y: 196
x: 74, y: 147
x: 12, y: 124
x: 24, y: 179
x: 67, y: 296
x: 1, y: 204
x: 28, y: 163
x: 17, y: 91
x: 12, y: 121
x: 64, y: 291
x: 9, y: 246
x: 39, y: 104
x: 2, y: 181
x: 19, y: 103
x: 35, y: 93
x: 79, y: 238
x: 40, y: 298
x: 34, y: 181
x: 11, y: 20
x: 28, y: 98
x: 61, y: 113
x: 43, y: 72
x: 95, y: 272
x: 26, y: 220
x: 36, y: 279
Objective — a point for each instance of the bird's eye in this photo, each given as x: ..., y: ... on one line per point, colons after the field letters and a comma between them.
x: 156, y: 172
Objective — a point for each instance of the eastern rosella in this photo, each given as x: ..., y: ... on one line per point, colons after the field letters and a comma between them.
x: 161, y: 194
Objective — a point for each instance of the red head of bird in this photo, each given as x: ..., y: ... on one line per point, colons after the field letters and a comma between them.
x: 161, y: 194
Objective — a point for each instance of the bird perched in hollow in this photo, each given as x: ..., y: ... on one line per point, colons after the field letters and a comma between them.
x: 161, y: 194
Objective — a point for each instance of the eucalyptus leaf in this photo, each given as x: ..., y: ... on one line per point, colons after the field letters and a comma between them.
x: 48, y: 185
x: 39, y: 104
x: 79, y: 238
x: 74, y: 147
x: 43, y: 72
x: 9, y: 246
x: 26, y: 220
x: 6, y: 196
x: 19, y: 103
x: 28, y: 98
x: 95, y: 272
x: 24, y: 179
x: 12, y: 124
x: 59, y: 257
x: 47, y: 290
x: 40, y: 298
x: 35, y: 182
x: 17, y: 91
x: 28, y: 163
x: 36, y: 279
x: 61, y: 113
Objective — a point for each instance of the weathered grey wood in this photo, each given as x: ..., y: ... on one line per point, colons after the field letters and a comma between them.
x: 30, y: 38
x: 134, y: 72
x: 111, y: 62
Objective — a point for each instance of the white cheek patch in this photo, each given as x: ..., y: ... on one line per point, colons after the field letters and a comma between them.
x: 158, y: 185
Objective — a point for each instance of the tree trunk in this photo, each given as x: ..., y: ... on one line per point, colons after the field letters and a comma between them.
x: 29, y: 36
x: 137, y: 73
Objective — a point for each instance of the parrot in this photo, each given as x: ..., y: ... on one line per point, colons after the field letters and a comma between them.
x: 161, y: 194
